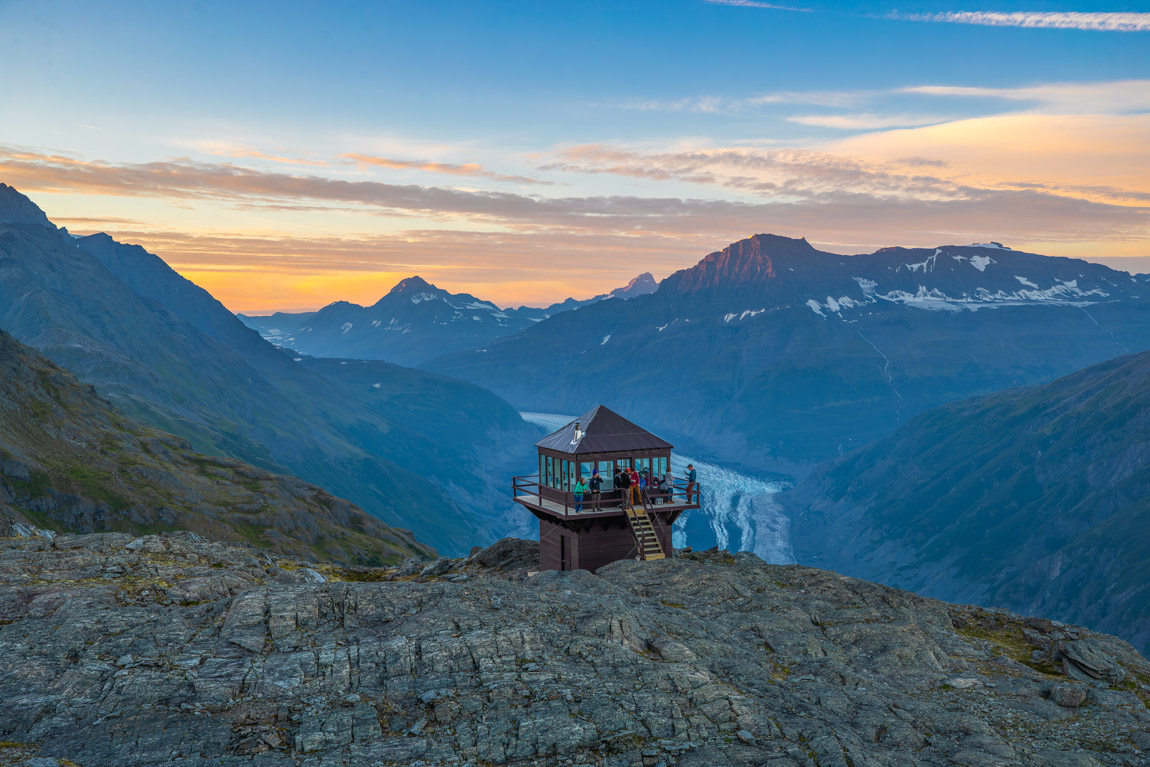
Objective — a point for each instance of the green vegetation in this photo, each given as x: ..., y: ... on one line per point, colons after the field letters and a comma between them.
x: 36, y: 486
x: 1007, y: 637
x: 94, y: 485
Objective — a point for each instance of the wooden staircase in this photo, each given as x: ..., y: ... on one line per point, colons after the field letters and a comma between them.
x: 645, y: 537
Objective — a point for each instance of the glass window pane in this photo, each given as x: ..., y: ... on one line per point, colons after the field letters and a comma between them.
x: 585, y: 470
x: 606, y: 471
x: 550, y: 472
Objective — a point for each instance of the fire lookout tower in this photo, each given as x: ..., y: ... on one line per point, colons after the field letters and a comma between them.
x: 616, y: 524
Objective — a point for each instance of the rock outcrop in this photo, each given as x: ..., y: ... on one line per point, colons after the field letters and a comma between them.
x: 170, y: 650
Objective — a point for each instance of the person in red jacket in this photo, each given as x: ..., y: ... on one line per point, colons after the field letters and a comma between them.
x: 636, y: 496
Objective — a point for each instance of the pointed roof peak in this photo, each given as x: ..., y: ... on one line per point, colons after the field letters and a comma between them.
x: 602, y: 430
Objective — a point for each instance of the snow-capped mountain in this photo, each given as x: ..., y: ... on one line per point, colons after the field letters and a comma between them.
x: 773, y: 353
x: 414, y: 322
x: 640, y: 286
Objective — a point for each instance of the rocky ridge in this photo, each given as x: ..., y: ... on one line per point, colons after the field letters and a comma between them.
x: 168, y: 649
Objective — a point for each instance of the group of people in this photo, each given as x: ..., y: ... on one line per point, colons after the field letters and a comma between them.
x: 631, y: 484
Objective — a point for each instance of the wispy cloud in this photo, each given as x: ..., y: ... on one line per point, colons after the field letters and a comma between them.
x: 755, y: 4
x: 1110, y: 97
x: 738, y: 105
x: 256, y: 154
x: 867, y: 121
x: 1091, y: 21
x: 450, y: 169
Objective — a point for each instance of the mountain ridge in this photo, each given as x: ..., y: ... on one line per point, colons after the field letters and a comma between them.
x: 174, y: 357
x: 784, y: 355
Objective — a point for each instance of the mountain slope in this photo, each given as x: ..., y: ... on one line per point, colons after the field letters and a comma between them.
x: 70, y: 462
x: 168, y: 353
x: 1037, y: 499
x: 279, y: 328
x: 776, y: 354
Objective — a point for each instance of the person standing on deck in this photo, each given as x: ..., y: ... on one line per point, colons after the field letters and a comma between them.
x: 596, y: 488
x: 580, y: 489
x: 624, y: 486
x: 636, y: 495
x: 692, y: 480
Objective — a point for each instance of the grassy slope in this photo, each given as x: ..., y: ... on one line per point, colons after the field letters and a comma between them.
x: 69, y: 461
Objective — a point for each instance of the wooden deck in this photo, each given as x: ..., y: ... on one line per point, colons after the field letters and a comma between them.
x: 536, y: 504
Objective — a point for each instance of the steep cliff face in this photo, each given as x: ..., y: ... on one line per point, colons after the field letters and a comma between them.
x: 70, y: 462
x: 167, y: 650
x: 1037, y: 499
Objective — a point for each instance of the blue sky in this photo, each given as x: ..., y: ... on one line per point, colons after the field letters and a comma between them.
x: 288, y: 154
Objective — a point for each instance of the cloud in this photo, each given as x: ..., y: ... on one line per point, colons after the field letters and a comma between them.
x: 727, y: 105
x: 256, y: 154
x: 1095, y: 22
x: 591, y: 243
x: 1109, y: 97
x: 755, y: 4
x: 450, y: 169
x: 866, y: 121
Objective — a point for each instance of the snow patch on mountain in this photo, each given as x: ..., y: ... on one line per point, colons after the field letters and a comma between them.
x: 606, y: 338
x: 345, y: 327
x: 926, y: 266
x: 1027, y: 282
x: 834, y: 305
x: 736, y: 315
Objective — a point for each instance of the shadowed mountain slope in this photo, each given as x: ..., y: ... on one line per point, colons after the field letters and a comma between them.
x: 1036, y: 499
x: 70, y: 462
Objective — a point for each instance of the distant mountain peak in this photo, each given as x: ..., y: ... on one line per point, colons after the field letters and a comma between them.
x: 413, y: 284
x: 746, y: 261
x: 640, y: 286
x: 15, y: 208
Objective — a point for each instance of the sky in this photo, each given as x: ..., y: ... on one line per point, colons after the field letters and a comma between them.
x: 285, y: 155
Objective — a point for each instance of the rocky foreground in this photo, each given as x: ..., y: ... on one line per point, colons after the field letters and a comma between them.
x: 173, y: 650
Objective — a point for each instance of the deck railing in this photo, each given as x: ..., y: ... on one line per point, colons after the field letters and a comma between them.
x: 610, y: 498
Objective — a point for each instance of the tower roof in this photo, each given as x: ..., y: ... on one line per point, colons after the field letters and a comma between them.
x: 603, y: 431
